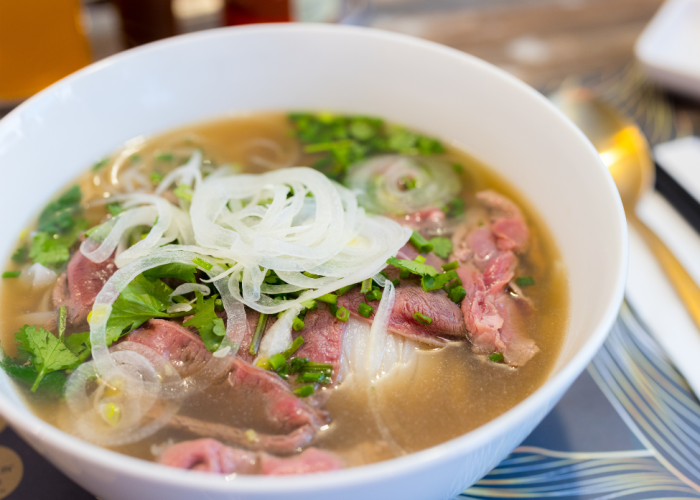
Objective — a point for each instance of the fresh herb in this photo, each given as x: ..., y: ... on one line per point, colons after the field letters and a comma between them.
x: 20, y: 255
x: 408, y: 183
x: 457, y: 294
x: 316, y: 377
x: 59, y: 215
x: 328, y: 298
x: 62, y: 316
x: 165, y: 157
x: 114, y: 209
x: 309, y: 304
x: 420, y: 259
x: 156, y: 177
x: 525, y: 281
x: 344, y: 140
x: 454, y: 208
x: 395, y: 282
x: 429, y: 283
x: 411, y: 266
x: 51, y: 249
x: 422, y: 318
x: 450, y: 266
x: 142, y: 299
x: 496, y: 357
x: 442, y: 247
x: 11, y: 274
x: 98, y: 166
x: 458, y: 167
x: 365, y: 310
x: 207, y: 266
x: 46, y: 352
x: 51, y: 385
x: 297, y: 324
x: 342, y: 314
x: 211, y: 328
x: 257, y: 336
x: 366, y: 286
x: 304, y: 391
x: 184, y: 272
x: 79, y: 344
x: 420, y: 243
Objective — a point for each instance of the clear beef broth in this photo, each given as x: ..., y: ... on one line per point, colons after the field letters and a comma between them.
x: 449, y: 392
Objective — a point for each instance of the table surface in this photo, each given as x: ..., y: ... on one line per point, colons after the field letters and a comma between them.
x: 629, y: 427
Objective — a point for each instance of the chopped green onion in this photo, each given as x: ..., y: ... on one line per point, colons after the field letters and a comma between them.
x: 309, y: 304
x: 422, y: 318
x: 114, y: 209
x: 395, y: 282
x: 11, y: 274
x: 62, y: 314
x: 202, y: 263
x: 408, y: 183
x: 156, y: 177
x: 98, y: 166
x: 328, y: 298
x: 450, y: 266
x: 283, y: 371
x: 184, y: 192
x: 366, y: 286
x: 311, y: 377
x: 404, y: 274
x: 298, y: 342
x: 304, y: 391
x: 365, y: 310
x: 429, y: 283
x: 457, y: 294
x: 333, y: 309
x: 496, y: 357
x: 165, y: 157
x: 342, y: 291
x: 420, y: 243
x: 297, y: 324
x: 311, y: 366
x: 375, y: 294
x: 525, y: 281
x: 277, y: 360
x: 342, y: 314
x: 457, y: 167
x: 257, y: 336
x: 311, y: 275
x: 420, y: 259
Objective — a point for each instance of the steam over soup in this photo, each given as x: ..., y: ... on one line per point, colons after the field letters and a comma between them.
x: 282, y: 294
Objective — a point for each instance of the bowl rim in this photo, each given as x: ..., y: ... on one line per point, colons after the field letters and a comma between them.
x: 385, y: 470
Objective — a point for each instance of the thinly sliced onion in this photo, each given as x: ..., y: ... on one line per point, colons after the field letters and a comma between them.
x: 279, y: 337
x: 38, y: 276
x: 186, y: 288
x: 380, y: 183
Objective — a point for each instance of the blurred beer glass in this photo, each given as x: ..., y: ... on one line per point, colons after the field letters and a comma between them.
x: 41, y: 41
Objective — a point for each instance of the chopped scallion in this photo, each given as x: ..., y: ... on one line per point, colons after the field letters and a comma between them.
x: 309, y: 304
x: 437, y: 282
x: 342, y: 314
x: 420, y: 243
x: 311, y: 377
x: 342, y: 291
x: 298, y: 342
x: 328, y: 298
x: 457, y: 294
x: 422, y: 318
x: 365, y: 310
x: 297, y: 324
x: 257, y: 336
x: 420, y: 259
x: 304, y: 391
x: 366, y: 286
x: 62, y: 314
x: 375, y: 294
x: 450, y: 266
x: 11, y: 274
x: 277, y: 360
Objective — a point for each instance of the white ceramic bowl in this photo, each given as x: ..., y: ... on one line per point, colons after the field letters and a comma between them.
x: 57, y: 134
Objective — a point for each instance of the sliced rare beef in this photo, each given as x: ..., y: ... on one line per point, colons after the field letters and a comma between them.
x: 428, y: 221
x: 448, y: 321
x: 409, y: 252
x: 486, y: 252
x: 323, y: 338
x: 78, y: 287
x: 209, y: 455
x: 185, y: 350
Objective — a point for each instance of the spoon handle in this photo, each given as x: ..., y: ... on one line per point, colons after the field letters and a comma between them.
x: 686, y: 287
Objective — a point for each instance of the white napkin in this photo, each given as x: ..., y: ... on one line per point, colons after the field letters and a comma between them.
x: 648, y: 290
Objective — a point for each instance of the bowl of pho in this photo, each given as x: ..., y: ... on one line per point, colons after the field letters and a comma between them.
x: 355, y: 262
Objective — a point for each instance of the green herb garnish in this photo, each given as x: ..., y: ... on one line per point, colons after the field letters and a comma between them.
x: 457, y: 294
x: 411, y: 266
x: 207, y: 266
x: 257, y: 336
x: 420, y: 243
x: 429, y: 283
x: 365, y: 310
x: 211, y: 328
x: 442, y: 247
x: 304, y: 391
x: 46, y: 352
x: 366, y: 286
x: 328, y: 298
x: 297, y: 324
x: 422, y: 318
x: 496, y: 357
x: 342, y: 314
x: 525, y: 281
x: 450, y: 266
x: 11, y: 274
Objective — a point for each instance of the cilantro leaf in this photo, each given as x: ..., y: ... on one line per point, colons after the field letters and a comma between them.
x: 413, y: 266
x: 53, y: 250
x: 47, y: 353
x: 142, y: 299
x: 25, y: 373
x: 58, y: 216
x: 442, y: 247
x: 79, y: 344
x: 182, y: 272
x: 211, y: 328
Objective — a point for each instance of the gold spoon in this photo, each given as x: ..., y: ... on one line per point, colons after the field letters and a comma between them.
x: 625, y: 151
